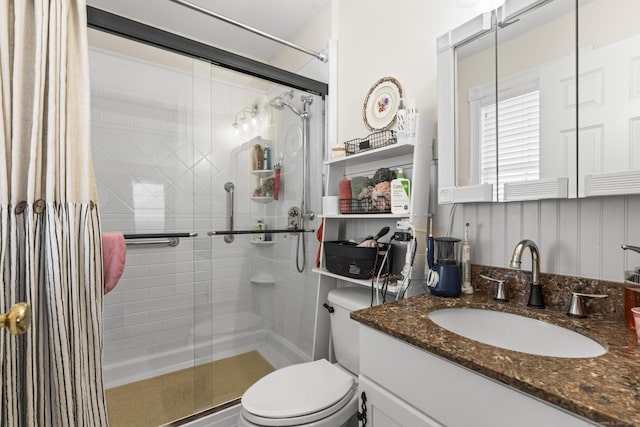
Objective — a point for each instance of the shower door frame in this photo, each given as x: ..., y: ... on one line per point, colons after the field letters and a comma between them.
x: 114, y: 24
x: 123, y: 27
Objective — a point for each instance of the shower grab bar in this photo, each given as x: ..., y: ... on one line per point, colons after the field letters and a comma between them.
x: 293, y: 230
x: 321, y: 56
x: 169, y: 239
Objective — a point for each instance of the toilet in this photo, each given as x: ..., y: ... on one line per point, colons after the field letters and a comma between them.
x: 317, y: 393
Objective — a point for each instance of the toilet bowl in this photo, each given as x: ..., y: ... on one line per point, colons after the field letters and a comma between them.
x: 318, y: 393
x: 310, y: 394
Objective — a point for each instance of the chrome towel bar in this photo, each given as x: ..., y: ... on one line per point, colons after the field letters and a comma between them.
x: 218, y: 233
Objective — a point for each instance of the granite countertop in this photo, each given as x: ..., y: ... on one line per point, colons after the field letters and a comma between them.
x: 604, y: 389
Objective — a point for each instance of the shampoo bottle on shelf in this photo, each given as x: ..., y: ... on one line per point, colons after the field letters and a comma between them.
x: 267, y: 158
x: 259, y: 237
x: 400, y: 199
x: 257, y: 158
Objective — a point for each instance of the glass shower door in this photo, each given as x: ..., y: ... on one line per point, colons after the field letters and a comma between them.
x: 190, y: 327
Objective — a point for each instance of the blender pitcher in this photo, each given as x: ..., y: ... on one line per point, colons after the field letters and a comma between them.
x: 447, y: 265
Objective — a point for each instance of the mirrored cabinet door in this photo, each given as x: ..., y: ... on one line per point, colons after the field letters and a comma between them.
x: 609, y: 97
x: 475, y: 89
x: 466, y: 60
x: 511, y: 132
x: 536, y: 102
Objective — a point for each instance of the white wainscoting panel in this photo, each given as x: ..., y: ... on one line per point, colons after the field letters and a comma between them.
x: 575, y: 237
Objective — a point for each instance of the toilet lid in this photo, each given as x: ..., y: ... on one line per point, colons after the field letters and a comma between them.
x: 298, y: 390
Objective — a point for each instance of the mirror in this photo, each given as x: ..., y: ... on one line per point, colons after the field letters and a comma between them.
x: 475, y: 72
x: 609, y: 97
x: 525, y: 62
x: 536, y: 120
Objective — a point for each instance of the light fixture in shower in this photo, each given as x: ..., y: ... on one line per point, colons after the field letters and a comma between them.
x: 251, y: 117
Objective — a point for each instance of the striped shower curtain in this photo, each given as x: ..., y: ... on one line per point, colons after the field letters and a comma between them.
x: 50, y: 252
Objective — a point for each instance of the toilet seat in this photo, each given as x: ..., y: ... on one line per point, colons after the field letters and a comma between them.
x: 298, y: 394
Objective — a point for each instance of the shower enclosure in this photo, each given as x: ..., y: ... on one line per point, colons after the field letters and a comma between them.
x: 190, y: 326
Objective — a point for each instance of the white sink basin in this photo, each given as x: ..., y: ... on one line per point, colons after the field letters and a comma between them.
x: 517, y: 333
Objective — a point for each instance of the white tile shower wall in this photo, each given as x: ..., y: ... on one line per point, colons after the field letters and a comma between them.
x: 154, y: 174
x: 162, y: 137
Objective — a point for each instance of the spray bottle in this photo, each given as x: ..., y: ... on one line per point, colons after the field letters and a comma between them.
x: 467, y: 288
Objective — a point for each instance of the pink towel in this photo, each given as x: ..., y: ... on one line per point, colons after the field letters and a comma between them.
x: 114, y: 253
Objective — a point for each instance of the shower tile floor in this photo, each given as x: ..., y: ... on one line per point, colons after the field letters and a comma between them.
x: 159, y: 400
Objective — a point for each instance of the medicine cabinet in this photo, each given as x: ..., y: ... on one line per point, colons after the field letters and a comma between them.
x: 609, y: 107
x: 551, y: 67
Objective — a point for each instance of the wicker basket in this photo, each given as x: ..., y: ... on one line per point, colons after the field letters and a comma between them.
x: 365, y: 206
x: 371, y: 142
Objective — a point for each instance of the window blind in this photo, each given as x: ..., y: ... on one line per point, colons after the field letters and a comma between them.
x: 518, y: 151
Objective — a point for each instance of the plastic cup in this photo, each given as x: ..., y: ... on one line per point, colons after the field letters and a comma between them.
x: 636, y: 316
x: 631, y: 296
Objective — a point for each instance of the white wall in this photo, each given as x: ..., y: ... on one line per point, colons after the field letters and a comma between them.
x: 377, y: 39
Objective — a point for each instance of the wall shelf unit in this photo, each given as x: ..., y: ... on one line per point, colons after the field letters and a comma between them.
x: 415, y: 160
x: 393, y: 150
x: 366, y: 216
x: 392, y: 289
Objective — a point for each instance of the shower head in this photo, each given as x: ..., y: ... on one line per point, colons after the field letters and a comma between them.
x: 278, y: 102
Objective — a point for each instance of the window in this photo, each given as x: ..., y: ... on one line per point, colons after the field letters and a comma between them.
x: 518, y: 150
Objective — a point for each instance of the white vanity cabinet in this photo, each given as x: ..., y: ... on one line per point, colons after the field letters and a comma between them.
x: 407, y: 386
x: 385, y: 409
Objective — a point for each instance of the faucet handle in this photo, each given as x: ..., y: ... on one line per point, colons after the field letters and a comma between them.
x: 576, y: 308
x: 501, y: 288
x: 631, y: 248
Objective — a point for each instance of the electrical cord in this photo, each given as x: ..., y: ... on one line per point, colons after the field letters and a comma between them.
x: 375, y: 281
x: 373, y: 278
x: 412, y: 248
x: 385, y: 282
x: 452, y: 212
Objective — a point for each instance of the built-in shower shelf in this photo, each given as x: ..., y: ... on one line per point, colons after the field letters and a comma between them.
x: 262, y: 199
x: 262, y: 279
x: 262, y: 173
x: 263, y: 243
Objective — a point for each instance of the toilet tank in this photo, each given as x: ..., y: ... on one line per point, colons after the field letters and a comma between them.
x: 344, y: 331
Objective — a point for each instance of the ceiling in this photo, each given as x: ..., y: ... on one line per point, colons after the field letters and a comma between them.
x: 281, y: 18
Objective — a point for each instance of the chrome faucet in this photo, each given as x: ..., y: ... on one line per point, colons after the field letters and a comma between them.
x: 535, y: 292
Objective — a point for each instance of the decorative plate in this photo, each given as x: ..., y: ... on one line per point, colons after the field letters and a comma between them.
x: 381, y: 104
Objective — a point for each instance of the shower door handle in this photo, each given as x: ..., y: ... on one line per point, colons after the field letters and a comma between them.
x: 17, y: 319
x: 230, y: 189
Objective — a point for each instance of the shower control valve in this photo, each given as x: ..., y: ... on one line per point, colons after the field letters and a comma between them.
x: 293, y: 221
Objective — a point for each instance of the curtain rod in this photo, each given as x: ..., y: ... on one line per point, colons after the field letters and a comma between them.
x: 321, y: 56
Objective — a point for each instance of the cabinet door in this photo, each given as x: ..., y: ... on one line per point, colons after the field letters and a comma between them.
x: 387, y: 410
x: 609, y: 97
